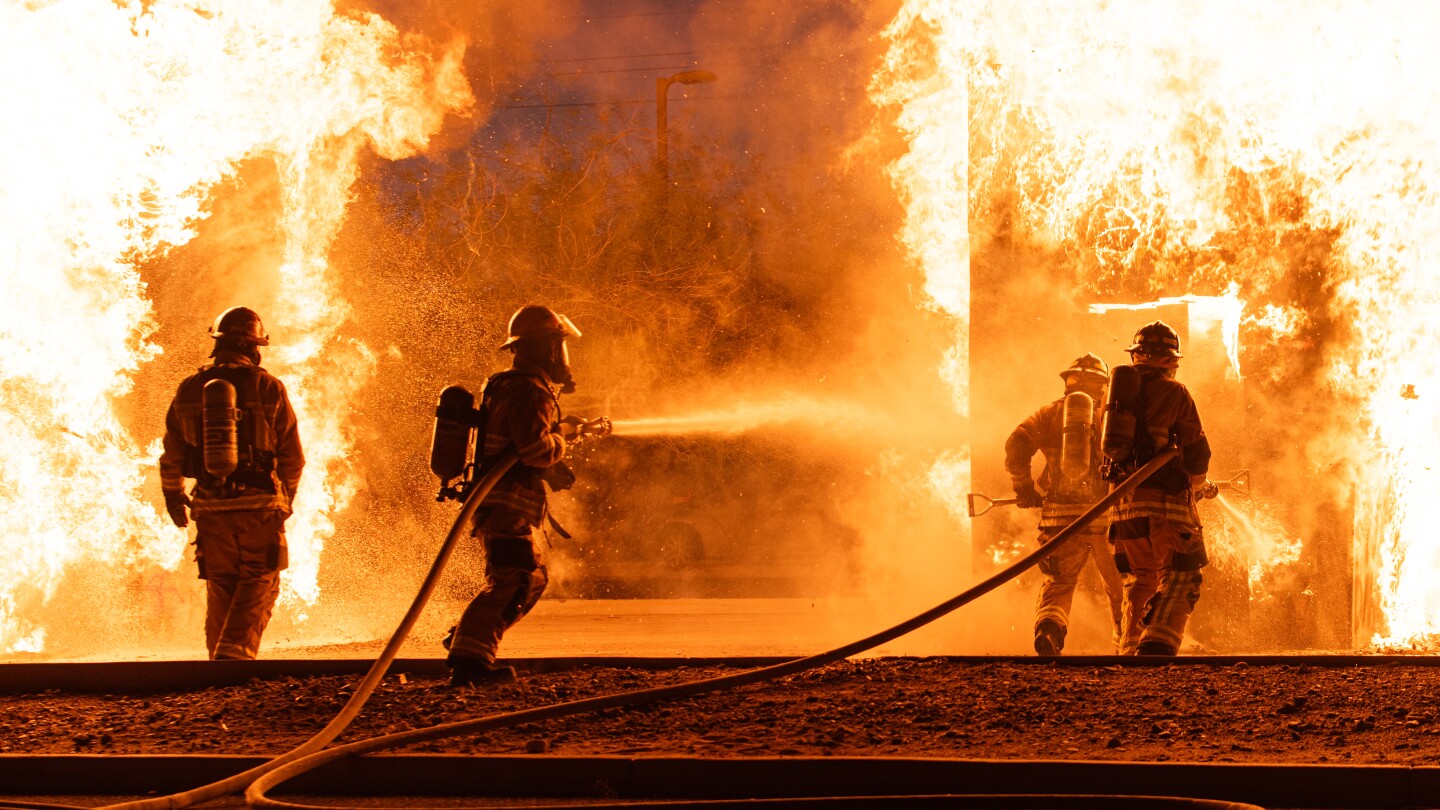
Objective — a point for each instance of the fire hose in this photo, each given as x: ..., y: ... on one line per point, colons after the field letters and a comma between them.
x: 312, y: 754
x: 367, y: 685
x: 295, y: 765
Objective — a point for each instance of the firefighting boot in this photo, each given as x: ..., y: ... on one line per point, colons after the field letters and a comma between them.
x: 1153, y: 647
x: 475, y: 672
x: 1049, y: 637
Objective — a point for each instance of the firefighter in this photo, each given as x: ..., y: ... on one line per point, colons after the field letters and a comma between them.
x: 523, y: 415
x: 243, y: 450
x: 1156, y: 533
x: 1064, y: 500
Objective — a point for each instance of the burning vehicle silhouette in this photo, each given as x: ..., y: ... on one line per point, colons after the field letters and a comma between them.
x: 693, y: 517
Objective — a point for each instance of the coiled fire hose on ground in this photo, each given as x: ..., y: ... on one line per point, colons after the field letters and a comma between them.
x: 294, y: 766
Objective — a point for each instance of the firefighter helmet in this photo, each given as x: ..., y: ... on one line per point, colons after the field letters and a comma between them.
x: 1088, y: 365
x: 534, y: 320
x: 1158, y: 339
x: 240, y: 324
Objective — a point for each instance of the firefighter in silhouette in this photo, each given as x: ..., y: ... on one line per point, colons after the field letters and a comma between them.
x: 1155, y: 530
x: 232, y: 430
x: 523, y: 415
x: 1066, y: 497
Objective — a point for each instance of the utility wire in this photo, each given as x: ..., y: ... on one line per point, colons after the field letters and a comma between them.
x: 734, y: 49
x: 588, y: 18
x: 628, y: 101
x: 617, y: 70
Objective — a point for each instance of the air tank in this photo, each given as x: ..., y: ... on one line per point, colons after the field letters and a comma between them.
x: 1121, y: 411
x: 454, y: 427
x: 220, y: 422
x: 1077, y: 435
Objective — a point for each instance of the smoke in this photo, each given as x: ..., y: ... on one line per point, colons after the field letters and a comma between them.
x: 754, y: 317
x: 751, y: 322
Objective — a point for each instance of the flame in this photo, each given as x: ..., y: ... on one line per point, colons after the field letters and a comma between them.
x: 1227, y: 310
x: 927, y: 50
x: 1177, y: 148
x: 121, y: 117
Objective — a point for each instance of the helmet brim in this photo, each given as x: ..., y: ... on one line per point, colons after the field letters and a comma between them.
x: 251, y: 339
x: 1151, y: 348
x: 566, y: 328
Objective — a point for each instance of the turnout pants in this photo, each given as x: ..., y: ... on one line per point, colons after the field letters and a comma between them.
x: 240, y: 555
x: 1159, y: 563
x: 516, y: 578
x: 1062, y: 570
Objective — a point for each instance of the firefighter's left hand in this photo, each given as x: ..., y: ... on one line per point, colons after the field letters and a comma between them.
x: 177, y: 503
x: 1206, y: 489
x: 1027, y: 497
x: 559, y: 476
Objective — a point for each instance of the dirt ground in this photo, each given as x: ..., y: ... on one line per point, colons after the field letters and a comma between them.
x: 877, y: 707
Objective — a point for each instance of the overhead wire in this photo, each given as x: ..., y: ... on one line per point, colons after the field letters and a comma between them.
x: 618, y: 102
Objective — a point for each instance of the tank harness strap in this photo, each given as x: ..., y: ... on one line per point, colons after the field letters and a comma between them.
x: 253, y: 470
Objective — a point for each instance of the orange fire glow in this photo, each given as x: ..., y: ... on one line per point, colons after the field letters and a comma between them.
x: 932, y: 181
x: 1122, y: 133
x: 121, y: 117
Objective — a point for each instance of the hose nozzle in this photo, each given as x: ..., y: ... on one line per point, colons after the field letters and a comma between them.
x: 1240, y: 483
x: 574, y: 427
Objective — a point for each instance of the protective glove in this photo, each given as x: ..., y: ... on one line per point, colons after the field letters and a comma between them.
x: 176, y: 503
x: 569, y: 428
x: 1201, y: 488
x: 1027, y: 497
x: 559, y: 476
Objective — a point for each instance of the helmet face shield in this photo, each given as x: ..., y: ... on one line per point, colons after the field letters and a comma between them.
x: 567, y: 326
x: 560, y: 372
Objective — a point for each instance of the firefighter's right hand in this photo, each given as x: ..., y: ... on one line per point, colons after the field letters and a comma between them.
x: 1027, y: 497
x: 1206, y: 489
x: 176, y: 503
x: 571, y: 427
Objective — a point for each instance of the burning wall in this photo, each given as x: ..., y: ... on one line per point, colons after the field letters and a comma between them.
x: 123, y: 117
x: 1122, y: 152
x: 1130, y: 150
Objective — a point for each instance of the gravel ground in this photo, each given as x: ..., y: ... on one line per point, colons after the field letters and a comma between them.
x: 875, y: 707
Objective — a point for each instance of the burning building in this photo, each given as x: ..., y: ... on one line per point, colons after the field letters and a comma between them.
x: 385, y: 181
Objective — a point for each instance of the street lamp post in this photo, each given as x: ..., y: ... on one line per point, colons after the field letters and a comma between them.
x: 662, y: 133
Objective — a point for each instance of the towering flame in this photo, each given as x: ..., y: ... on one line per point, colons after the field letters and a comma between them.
x: 918, y: 81
x: 1180, y: 147
x: 120, y: 118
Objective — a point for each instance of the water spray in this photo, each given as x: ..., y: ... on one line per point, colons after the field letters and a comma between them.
x: 783, y: 411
